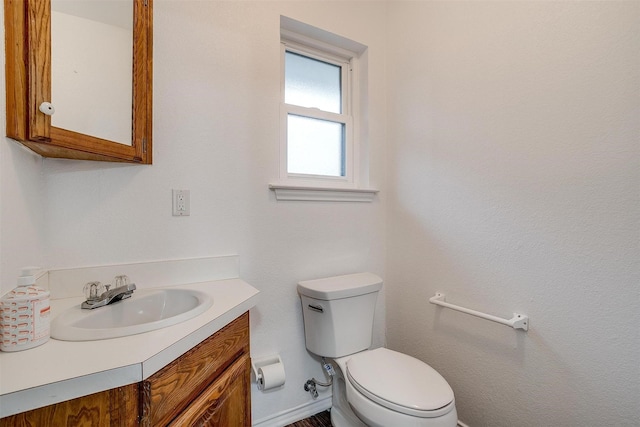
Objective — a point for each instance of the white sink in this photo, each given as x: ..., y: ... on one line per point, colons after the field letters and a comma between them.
x: 145, y: 311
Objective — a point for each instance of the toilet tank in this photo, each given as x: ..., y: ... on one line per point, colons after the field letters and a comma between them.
x: 338, y: 313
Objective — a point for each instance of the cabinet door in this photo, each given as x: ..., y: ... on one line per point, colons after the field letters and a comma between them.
x: 28, y: 60
x: 116, y: 407
x: 172, y: 389
x: 225, y: 403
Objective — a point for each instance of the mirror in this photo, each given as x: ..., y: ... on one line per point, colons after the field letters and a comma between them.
x: 79, y: 78
x: 91, y: 67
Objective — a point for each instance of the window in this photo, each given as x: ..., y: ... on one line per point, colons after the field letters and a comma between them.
x: 319, y: 113
x: 319, y: 142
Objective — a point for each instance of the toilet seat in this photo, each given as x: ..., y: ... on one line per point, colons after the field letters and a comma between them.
x: 400, y: 382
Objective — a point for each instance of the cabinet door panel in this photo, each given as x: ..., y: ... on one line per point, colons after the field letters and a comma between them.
x: 224, y: 402
x: 169, y: 391
x: 115, y: 407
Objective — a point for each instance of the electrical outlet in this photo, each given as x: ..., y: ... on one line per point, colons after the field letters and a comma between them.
x: 181, y: 203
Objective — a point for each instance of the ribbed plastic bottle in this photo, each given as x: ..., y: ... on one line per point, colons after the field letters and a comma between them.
x: 24, y: 314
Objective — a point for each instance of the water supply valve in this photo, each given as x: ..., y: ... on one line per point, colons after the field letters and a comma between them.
x: 310, y: 386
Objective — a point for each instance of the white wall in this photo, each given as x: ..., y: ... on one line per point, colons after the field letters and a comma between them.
x: 512, y: 186
x: 515, y: 187
x: 216, y: 118
x: 21, y: 209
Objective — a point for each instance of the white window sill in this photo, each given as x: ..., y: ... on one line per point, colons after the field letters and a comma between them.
x: 323, y: 194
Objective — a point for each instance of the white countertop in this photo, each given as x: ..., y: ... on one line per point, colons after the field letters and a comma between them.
x: 61, y: 370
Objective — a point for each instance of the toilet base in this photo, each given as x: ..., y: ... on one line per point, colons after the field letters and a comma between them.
x: 338, y: 419
x: 341, y: 413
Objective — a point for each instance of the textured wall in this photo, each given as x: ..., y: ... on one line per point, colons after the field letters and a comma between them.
x: 21, y: 209
x: 513, y: 186
x: 515, y: 177
x: 216, y: 132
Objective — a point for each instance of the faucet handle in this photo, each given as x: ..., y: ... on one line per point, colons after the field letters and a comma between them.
x: 93, y: 290
x: 119, y: 281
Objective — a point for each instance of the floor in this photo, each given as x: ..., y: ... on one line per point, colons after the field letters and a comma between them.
x: 323, y: 419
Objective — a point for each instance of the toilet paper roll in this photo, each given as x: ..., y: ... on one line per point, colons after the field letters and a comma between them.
x: 272, y: 376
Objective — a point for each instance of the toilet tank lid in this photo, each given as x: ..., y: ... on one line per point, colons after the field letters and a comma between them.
x: 338, y: 287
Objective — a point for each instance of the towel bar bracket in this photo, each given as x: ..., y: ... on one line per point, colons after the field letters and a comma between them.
x: 518, y: 321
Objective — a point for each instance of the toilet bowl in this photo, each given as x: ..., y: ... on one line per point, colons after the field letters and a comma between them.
x: 387, y: 388
x: 375, y: 388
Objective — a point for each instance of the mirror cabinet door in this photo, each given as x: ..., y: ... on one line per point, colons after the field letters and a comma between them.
x: 35, y: 31
x: 91, y: 67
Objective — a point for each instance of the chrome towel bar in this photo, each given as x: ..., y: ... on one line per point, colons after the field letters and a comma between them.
x: 518, y: 321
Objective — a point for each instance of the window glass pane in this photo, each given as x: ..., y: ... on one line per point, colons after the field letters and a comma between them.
x: 315, y: 147
x: 311, y: 83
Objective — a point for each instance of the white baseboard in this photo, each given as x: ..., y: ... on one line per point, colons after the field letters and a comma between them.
x: 294, y: 414
x: 301, y: 412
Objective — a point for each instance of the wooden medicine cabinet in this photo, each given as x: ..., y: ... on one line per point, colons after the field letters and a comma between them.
x: 79, y: 79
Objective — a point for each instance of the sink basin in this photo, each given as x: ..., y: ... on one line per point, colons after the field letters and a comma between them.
x: 145, y: 311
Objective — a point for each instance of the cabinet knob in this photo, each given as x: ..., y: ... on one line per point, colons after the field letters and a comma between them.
x: 47, y: 108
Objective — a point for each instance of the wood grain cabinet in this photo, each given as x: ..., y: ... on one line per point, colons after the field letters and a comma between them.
x: 208, y: 383
x: 113, y: 407
x: 207, y: 386
x: 223, y: 402
x: 29, y: 75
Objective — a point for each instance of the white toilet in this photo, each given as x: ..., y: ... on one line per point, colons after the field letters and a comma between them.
x: 375, y: 388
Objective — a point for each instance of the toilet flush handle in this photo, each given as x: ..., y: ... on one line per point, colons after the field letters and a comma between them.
x: 317, y: 308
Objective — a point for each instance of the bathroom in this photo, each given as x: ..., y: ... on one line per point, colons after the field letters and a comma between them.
x: 503, y: 140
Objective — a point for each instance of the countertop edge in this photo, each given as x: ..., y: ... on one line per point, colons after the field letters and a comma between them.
x: 50, y: 394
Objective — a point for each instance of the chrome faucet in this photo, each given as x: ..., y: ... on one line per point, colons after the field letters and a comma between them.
x: 97, y: 297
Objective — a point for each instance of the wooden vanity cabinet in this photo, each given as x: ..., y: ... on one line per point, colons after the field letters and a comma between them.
x: 113, y: 407
x: 223, y: 403
x: 207, y: 386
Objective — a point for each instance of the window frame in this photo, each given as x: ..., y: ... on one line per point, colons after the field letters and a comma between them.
x: 347, y: 62
x: 323, y: 189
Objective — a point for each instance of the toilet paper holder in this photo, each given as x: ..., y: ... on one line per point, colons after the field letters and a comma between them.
x: 258, y: 363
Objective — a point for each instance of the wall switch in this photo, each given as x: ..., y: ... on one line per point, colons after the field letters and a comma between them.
x: 181, y: 203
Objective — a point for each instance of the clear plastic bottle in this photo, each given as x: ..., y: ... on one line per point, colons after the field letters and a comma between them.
x: 24, y: 314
